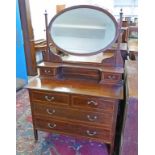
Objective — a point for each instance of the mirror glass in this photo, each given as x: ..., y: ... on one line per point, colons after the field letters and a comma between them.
x: 83, y: 30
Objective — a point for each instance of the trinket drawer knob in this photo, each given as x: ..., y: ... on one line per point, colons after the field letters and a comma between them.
x: 112, y: 77
x: 47, y: 71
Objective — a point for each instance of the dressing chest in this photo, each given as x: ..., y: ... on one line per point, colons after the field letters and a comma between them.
x: 80, y: 84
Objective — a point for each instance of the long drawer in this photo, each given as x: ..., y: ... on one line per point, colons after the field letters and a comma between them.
x: 90, y: 102
x: 73, y: 129
x: 102, y: 119
x: 49, y: 97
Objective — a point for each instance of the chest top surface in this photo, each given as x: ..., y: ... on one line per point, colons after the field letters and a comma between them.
x: 74, y: 87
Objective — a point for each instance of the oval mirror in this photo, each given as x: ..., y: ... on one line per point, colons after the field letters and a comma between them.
x: 83, y: 30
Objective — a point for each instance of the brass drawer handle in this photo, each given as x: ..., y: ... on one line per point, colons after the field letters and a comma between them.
x: 112, y: 77
x: 91, y: 118
x: 49, y: 98
x: 50, y: 111
x: 92, y: 102
x: 91, y: 133
x: 51, y: 125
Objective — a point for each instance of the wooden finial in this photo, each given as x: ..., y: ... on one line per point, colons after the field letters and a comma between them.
x: 47, y: 40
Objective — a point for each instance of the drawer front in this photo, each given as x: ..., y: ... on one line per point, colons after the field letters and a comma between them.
x: 101, y: 119
x: 47, y: 71
x: 49, y: 97
x: 75, y: 129
x: 93, y: 103
x: 112, y: 77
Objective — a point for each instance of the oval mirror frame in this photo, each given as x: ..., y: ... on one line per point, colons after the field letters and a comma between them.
x: 55, y: 29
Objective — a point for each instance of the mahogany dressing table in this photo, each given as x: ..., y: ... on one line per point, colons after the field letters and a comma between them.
x: 79, y: 93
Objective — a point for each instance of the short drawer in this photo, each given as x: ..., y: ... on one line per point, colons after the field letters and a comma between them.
x: 49, y: 97
x: 74, y: 129
x: 93, y: 103
x: 111, y: 77
x: 47, y: 71
x: 101, y: 119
